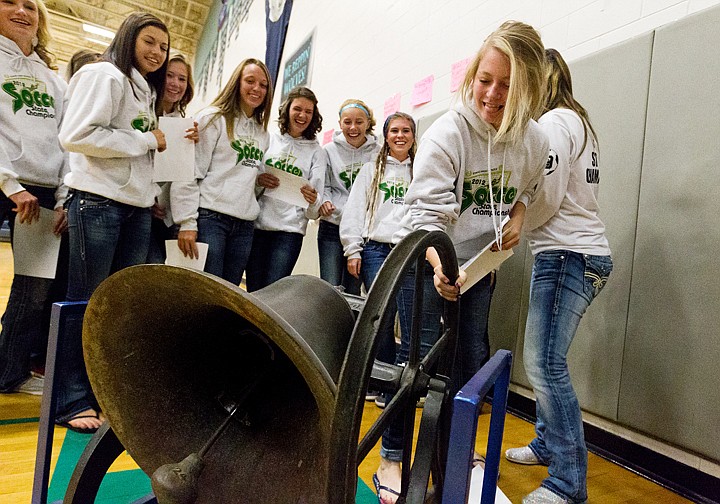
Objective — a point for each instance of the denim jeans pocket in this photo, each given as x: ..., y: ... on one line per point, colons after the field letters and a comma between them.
x: 90, y: 200
x: 204, y: 213
x: 597, y: 271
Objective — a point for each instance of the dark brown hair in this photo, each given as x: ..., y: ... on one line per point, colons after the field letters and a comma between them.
x: 121, y: 51
x: 315, y: 125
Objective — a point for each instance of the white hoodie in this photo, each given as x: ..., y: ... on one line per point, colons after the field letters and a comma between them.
x: 306, y: 159
x: 32, y: 106
x: 109, y: 123
x: 357, y: 226
x: 344, y: 163
x: 225, y: 170
x: 450, y: 192
x: 564, y: 211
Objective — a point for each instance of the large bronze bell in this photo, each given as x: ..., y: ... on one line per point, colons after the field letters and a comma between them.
x: 171, y: 351
x: 228, y: 397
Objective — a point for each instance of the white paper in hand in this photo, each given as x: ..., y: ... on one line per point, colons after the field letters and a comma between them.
x: 177, y: 162
x: 175, y: 256
x: 289, y: 188
x: 36, y: 247
x: 481, y: 264
x: 485, y: 261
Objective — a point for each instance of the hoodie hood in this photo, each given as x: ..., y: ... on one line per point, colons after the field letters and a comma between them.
x: 341, y: 142
x: 18, y: 61
x: 472, y: 116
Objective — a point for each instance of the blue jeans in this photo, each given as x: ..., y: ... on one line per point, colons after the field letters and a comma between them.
x: 563, y: 285
x: 105, y: 236
x: 392, y: 439
x: 272, y: 257
x: 372, y: 258
x: 473, y: 349
x: 23, y: 327
x: 333, y: 265
x: 229, y: 242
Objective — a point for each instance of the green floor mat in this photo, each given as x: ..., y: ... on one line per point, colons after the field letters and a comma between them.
x: 125, y: 487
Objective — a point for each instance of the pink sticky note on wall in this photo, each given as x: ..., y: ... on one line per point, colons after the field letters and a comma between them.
x: 457, y: 73
x: 422, y: 91
x: 392, y: 104
x: 327, y: 136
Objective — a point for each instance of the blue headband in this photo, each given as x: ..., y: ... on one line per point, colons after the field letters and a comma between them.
x: 355, y: 105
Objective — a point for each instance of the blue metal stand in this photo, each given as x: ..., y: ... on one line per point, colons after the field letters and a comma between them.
x: 61, y: 312
x: 466, y: 409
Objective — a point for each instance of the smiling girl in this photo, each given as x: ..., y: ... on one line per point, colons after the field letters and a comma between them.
x: 219, y: 207
x: 479, y: 163
x: 179, y: 90
x: 374, y: 211
x: 351, y: 147
x: 280, y: 226
x: 111, y: 129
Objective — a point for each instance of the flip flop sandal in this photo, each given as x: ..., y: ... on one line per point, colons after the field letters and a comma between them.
x: 80, y: 430
x: 379, y: 487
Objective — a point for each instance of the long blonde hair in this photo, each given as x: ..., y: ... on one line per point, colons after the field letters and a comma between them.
x: 228, y: 102
x: 381, y: 162
x: 44, y: 37
x: 522, y: 45
x: 560, y: 93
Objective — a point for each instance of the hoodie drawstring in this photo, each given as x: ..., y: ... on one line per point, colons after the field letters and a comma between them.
x: 496, y: 226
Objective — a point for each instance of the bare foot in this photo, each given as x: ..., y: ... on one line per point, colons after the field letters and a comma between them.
x: 90, y: 420
x: 389, y: 475
x: 478, y: 460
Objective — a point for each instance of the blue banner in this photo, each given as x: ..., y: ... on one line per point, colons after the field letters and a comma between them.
x: 277, y: 19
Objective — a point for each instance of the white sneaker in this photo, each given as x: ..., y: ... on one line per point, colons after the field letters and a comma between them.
x: 32, y: 386
x: 522, y: 455
x: 371, y: 395
x: 380, y: 401
x: 543, y: 496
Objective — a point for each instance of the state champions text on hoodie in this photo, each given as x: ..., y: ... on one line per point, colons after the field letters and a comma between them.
x: 32, y: 106
x: 450, y: 190
x: 108, y: 129
x: 355, y: 228
x: 564, y: 211
x: 225, y: 170
x: 301, y: 157
x: 344, y: 163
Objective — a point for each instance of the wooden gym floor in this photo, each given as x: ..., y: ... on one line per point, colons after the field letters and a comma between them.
x: 607, y: 482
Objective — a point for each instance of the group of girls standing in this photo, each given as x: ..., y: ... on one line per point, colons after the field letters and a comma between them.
x: 488, y: 159
x: 489, y: 144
